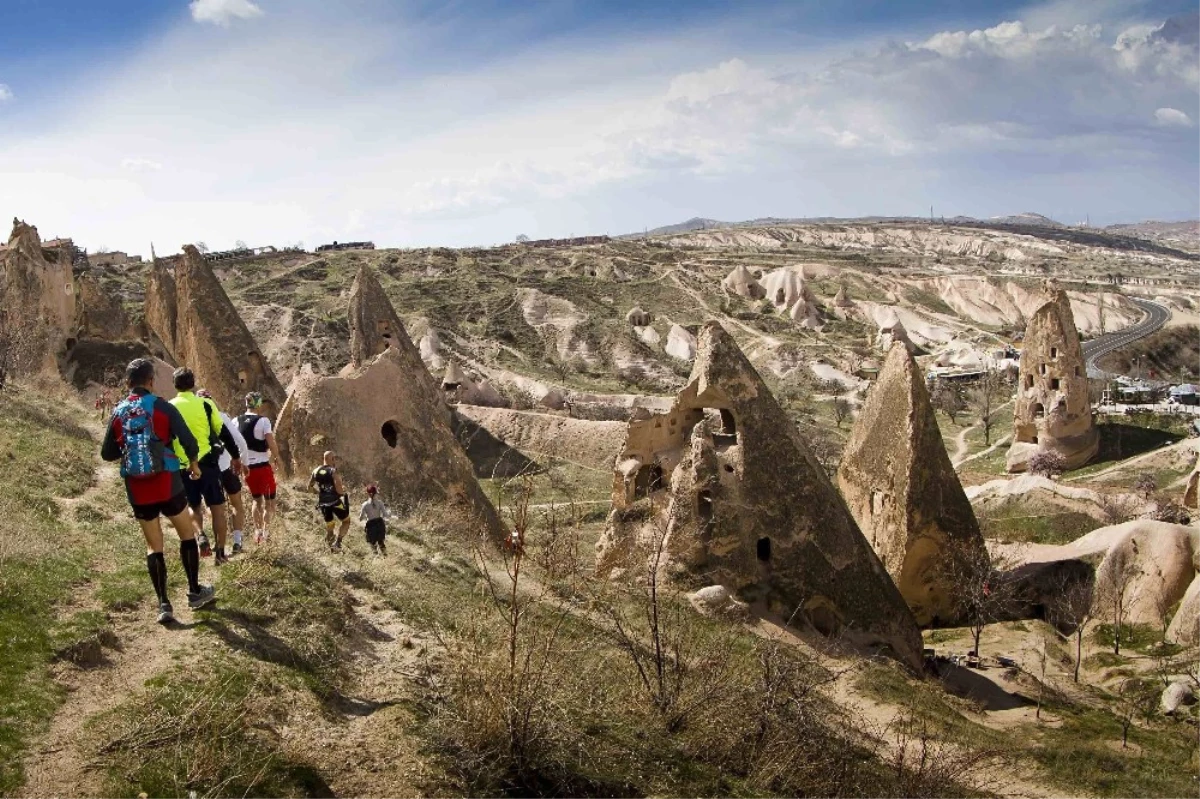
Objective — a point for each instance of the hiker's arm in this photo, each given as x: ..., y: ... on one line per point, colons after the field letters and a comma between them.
x: 362, y: 513
x: 273, y: 447
x: 337, y: 483
x: 110, y: 450
x: 231, y: 445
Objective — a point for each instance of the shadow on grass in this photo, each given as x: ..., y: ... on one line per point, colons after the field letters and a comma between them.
x: 1120, y: 441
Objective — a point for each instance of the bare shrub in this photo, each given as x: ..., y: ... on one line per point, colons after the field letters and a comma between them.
x: 1048, y: 463
x: 1117, y: 508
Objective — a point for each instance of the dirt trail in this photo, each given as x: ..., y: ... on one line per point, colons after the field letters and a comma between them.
x: 960, y: 444
x: 58, y: 764
x: 1125, y: 464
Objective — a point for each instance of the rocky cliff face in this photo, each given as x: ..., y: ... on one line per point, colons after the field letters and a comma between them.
x: 725, y: 478
x: 898, y: 482
x: 37, y: 300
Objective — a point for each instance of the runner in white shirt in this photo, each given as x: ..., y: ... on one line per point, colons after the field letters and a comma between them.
x: 231, y: 480
x: 261, y: 451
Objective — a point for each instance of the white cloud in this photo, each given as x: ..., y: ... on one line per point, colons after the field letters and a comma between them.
x: 140, y: 165
x: 324, y: 127
x: 222, y: 12
x: 5, y: 93
x: 1172, y: 116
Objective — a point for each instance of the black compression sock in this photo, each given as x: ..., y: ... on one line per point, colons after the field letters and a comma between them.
x: 157, y: 566
x: 189, y: 553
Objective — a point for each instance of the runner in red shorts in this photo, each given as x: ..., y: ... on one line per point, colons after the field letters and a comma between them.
x: 139, y: 435
x: 261, y: 453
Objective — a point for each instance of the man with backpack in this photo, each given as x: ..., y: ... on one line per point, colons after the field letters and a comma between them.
x: 261, y: 451
x: 332, y: 500
x: 204, y: 420
x: 139, y: 433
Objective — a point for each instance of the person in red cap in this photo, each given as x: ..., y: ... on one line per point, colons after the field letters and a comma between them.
x: 373, y: 512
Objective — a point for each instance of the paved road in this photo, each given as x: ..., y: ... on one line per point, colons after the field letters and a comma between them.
x: 1156, y: 316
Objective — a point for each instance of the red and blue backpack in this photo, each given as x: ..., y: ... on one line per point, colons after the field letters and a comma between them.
x: 144, y: 454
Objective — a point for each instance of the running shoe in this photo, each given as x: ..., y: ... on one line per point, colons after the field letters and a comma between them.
x: 166, y: 613
x: 202, y: 597
x: 205, y: 549
x: 220, y: 559
x: 237, y: 548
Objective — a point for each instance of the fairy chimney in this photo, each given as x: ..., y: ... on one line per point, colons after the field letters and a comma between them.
x: 898, y: 482
x: 208, y: 335
x: 380, y: 414
x: 1052, y: 410
x: 725, y: 482
x: 743, y: 283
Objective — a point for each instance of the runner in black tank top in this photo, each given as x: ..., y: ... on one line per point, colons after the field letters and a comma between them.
x: 332, y: 500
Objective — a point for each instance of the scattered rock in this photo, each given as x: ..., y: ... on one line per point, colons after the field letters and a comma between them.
x: 681, y: 343
x: 743, y: 283
x: 716, y: 600
x: 1176, y: 695
x: 638, y: 317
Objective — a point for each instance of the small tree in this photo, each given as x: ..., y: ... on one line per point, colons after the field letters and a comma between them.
x: 948, y: 400
x: 522, y: 238
x: 1117, y: 508
x: 841, y: 411
x: 1145, y: 485
x: 985, y: 397
x: 983, y: 592
x: 240, y: 245
x: 1071, y: 608
x: 1115, y: 590
x: 1048, y: 463
x: 202, y: 247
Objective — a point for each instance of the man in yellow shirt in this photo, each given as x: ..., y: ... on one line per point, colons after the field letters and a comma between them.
x: 204, y: 420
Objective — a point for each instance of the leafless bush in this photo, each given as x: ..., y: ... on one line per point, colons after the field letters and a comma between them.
x: 1117, y: 508
x: 1048, y: 463
x: 1170, y: 509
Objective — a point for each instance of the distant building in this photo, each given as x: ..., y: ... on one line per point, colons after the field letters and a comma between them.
x: 1185, y: 394
x: 112, y: 258
x: 567, y: 242
x: 347, y: 245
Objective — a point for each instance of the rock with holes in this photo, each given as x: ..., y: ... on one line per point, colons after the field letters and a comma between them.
x: 722, y: 485
x: 898, y: 482
x: 1052, y: 410
x: 637, y: 317
x: 387, y: 429
x: 789, y: 293
x: 190, y: 314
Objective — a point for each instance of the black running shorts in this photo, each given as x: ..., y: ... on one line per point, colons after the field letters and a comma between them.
x: 172, y: 507
x: 340, y: 510
x: 207, y: 489
x: 230, y: 482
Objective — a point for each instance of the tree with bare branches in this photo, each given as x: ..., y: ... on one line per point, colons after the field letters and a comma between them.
x: 1072, y: 608
x: 984, y: 398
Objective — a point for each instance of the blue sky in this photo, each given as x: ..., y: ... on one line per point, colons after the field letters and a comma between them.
x: 276, y: 121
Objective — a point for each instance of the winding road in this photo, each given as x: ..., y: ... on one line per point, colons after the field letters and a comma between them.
x: 1156, y: 316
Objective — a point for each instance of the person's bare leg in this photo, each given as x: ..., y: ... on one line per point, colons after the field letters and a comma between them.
x: 345, y: 528
x: 269, y: 514
x: 220, y: 524
x: 237, y: 509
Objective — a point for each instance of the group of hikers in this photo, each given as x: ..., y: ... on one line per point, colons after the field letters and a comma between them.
x: 179, y: 456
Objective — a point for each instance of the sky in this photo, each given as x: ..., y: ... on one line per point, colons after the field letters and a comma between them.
x: 461, y: 123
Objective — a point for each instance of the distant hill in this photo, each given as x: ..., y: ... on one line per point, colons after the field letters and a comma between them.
x: 1178, y: 234
x: 1027, y: 218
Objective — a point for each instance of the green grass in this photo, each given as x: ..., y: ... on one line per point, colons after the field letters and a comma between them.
x: 1014, y: 523
x: 39, y: 562
x: 1139, y: 637
x: 207, y: 730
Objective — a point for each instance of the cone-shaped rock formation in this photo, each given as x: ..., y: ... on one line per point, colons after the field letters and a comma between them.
x: 199, y: 328
x: 1052, y: 410
x: 379, y: 417
x: 898, y: 482
x: 725, y: 477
